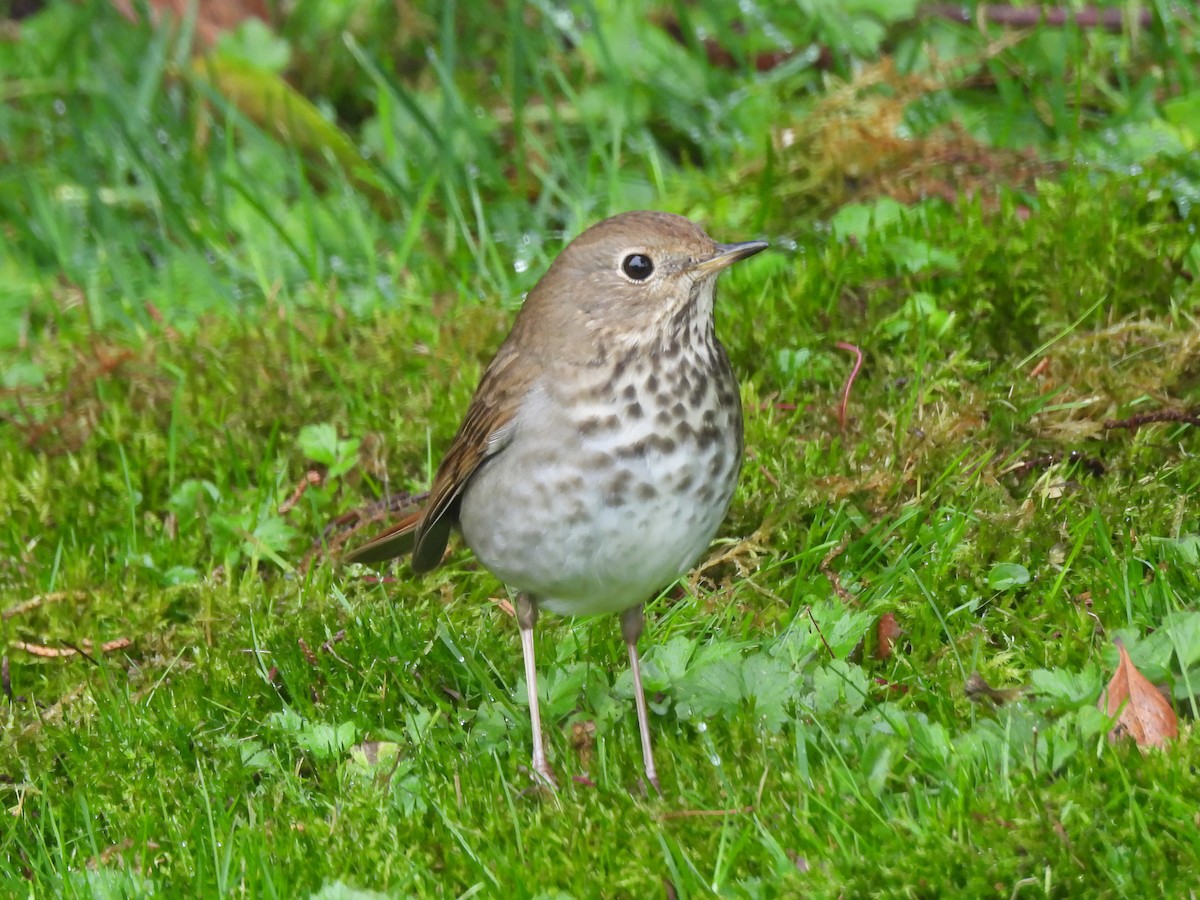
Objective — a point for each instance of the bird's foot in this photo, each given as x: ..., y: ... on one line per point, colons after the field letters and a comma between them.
x: 651, y: 779
x: 543, y: 778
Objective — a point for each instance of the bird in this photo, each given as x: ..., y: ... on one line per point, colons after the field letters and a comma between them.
x: 599, y: 454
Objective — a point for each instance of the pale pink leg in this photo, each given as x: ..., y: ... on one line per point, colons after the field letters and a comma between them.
x: 631, y: 630
x: 527, y: 614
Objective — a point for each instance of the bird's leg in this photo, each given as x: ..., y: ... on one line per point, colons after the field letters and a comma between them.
x: 631, y: 630
x: 527, y: 614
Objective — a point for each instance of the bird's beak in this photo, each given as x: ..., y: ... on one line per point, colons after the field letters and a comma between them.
x: 727, y: 255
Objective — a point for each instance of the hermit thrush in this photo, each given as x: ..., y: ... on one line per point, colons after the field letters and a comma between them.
x: 602, y: 446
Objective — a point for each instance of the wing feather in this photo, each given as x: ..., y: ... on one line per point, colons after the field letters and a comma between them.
x: 486, y: 430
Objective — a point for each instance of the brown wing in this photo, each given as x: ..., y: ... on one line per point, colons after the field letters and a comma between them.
x: 485, y: 431
x: 395, y: 541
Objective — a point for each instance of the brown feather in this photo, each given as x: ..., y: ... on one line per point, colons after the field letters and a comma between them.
x: 395, y: 541
x: 481, y: 435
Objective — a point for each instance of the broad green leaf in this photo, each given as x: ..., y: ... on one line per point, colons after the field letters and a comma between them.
x: 1006, y: 576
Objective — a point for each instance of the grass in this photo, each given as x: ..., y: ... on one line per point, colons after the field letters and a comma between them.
x: 208, y: 291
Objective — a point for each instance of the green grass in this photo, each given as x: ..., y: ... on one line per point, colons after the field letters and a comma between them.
x: 202, y: 300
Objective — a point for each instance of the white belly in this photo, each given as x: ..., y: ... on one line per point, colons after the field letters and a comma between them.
x: 563, y: 515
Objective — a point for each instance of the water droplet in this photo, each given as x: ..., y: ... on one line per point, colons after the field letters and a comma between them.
x: 702, y: 727
x: 715, y: 760
x: 60, y: 107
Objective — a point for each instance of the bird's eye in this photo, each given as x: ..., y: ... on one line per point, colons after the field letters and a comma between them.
x: 637, y: 266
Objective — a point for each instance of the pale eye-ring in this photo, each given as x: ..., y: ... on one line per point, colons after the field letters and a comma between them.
x: 637, y: 266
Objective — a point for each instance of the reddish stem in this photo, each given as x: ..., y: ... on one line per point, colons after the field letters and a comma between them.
x: 858, y: 361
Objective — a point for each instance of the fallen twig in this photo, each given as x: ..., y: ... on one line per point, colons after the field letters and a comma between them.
x: 327, y: 646
x: 1133, y: 423
x: 40, y: 600
x: 827, y: 570
x: 771, y: 479
x: 817, y: 629
x: 60, y: 652
x: 311, y: 478
x: 1089, y: 464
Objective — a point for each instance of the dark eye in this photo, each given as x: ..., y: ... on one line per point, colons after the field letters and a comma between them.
x: 637, y: 266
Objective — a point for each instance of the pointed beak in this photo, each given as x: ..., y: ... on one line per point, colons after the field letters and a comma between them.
x: 727, y: 255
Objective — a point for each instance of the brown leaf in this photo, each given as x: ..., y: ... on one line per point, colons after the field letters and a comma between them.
x: 1141, y: 712
x: 887, y: 630
x: 583, y: 741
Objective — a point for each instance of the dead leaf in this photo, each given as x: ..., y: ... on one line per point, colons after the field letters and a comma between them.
x: 1141, y: 712
x: 887, y: 630
x: 373, y: 754
x: 583, y: 741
